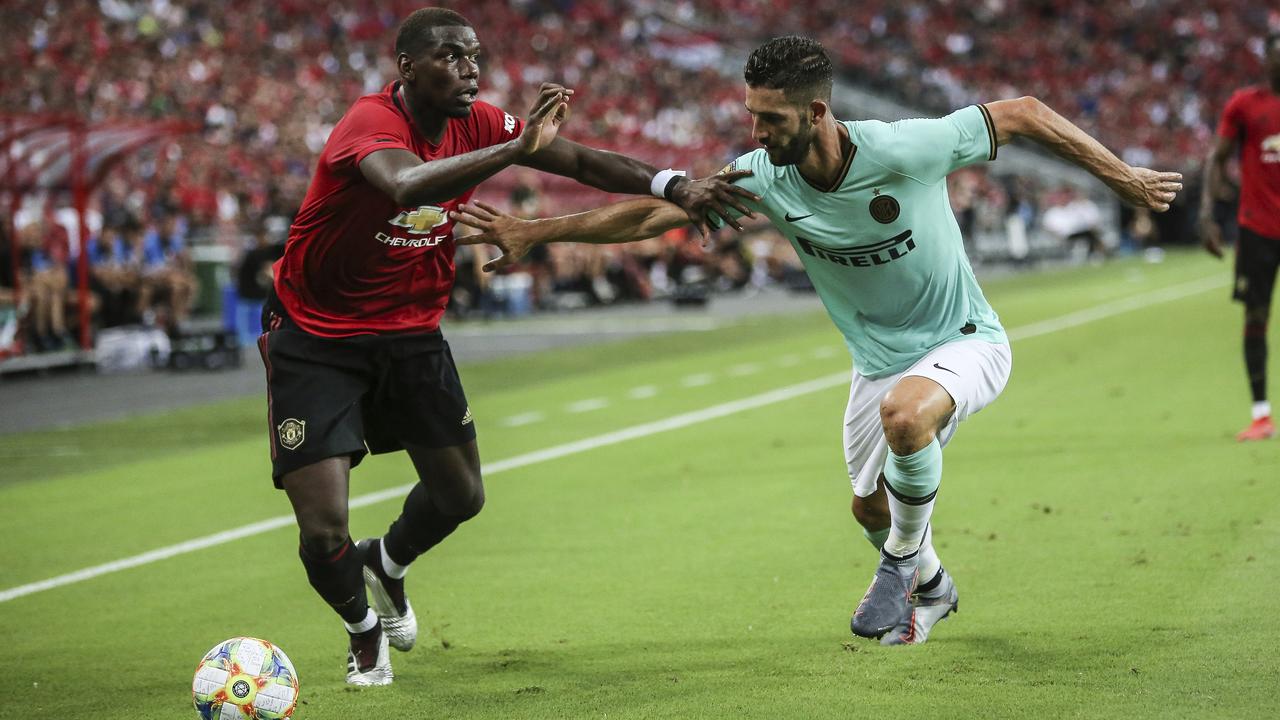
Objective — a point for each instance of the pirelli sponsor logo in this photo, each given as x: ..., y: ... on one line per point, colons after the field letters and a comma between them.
x: 871, y: 255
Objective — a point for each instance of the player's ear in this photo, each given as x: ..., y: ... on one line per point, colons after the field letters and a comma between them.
x: 404, y: 64
x: 818, y: 110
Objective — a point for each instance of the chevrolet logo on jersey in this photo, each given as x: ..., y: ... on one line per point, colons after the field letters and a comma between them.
x: 421, y: 220
x: 1271, y: 149
x: 880, y: 253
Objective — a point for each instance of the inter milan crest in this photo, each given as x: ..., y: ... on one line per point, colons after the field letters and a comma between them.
x: 292, y: 433
x: 884, y: 208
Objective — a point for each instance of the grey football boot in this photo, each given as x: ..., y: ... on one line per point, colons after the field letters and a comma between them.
x: 888, y: 601
x: 928, y: 608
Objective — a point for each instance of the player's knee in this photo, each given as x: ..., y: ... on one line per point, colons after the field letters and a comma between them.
x: 323, y: 539
x: 904, y: 426
x: 463, y: 502
x: 1257, y: 315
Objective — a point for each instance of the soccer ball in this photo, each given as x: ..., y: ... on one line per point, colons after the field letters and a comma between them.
x: 245, y: 678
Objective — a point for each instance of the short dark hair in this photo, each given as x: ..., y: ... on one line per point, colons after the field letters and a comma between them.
x: 797, y: 65
x: 414, y: 35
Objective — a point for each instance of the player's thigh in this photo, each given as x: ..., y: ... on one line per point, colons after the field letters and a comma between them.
x: 865, y: 447
x: 318, y: 493
x: 419, y: 401
x: 1256, y: 264
x: 314, y: 389
x: 972, y: 372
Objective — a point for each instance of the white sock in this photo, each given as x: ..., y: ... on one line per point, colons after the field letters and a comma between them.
x: 910, y: 523
x: 370, y: 619
x: 929, y: 562
x: 389, y: 566
x: 1261, y: 409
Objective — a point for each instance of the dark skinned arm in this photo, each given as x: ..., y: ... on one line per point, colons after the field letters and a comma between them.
x: 1216, y: 187
x: 409, y: 181
x: 616, y: 173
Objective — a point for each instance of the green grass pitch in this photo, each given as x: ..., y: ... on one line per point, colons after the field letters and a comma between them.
x: 1116, y: 551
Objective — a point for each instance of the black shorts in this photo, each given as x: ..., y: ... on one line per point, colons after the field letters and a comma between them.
x: 1257, y: 260
x: 329, y: 397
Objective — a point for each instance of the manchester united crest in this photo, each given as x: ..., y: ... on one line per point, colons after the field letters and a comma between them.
x: 293, y: 432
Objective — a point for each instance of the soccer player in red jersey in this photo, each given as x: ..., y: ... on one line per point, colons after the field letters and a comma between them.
x: 351, y: 342
x: 1251, y: 126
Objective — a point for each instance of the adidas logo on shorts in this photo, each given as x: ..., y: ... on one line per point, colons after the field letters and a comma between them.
x: 466, y: 419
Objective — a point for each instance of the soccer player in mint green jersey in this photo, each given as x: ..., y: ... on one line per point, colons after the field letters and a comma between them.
x: 865, y: 206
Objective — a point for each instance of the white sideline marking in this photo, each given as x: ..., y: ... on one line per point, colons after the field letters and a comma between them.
x: 643, y: 392
x: 824, y: 352
x: 788, y: 361
x: 587, y: 405
x: 697, y: 380
x: 1070, y: 320
x: 1116, y: 307
x: 744, y: 369
x: 522, y: 419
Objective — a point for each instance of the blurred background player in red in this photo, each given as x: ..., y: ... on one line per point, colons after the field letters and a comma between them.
x: 354, y: 356
x: 1250, y: 126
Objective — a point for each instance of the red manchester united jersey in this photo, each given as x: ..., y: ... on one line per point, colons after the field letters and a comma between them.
x: 1252, y: 117
x: 356, y: 262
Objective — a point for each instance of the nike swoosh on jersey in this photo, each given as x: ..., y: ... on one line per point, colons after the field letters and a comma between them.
x: 953, y: 372
x: 797, y: 218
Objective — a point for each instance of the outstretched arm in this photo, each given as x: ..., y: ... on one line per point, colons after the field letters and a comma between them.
x: 1030, y: 118
x: 409, y: 181
x: 1216, y: 187
x: 616, y: 173
x: 622, y: 222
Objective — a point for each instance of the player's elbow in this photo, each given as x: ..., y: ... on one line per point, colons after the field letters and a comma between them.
x: 1019, y: 117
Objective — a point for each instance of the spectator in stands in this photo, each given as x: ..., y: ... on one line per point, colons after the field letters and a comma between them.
x: 168, y: 273
x: 110, y: 277
x: 254, y: 278
x: 46, y: 283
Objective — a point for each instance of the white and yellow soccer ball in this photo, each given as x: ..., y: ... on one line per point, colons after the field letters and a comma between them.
x: 245, y: 678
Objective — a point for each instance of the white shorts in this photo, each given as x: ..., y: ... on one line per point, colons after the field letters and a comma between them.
x: 973, y: 372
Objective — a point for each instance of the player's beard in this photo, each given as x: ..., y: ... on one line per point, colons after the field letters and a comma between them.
x: 794, y: 151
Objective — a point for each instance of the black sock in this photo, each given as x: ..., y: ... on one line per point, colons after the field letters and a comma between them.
x: 420, y: 527
x: 1255, y: 359
x: 337, y: 577
x: 933, y: 582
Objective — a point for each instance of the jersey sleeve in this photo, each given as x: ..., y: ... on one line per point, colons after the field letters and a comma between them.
x: 367, y: 128
x: 491, y: 125
x: 930, y: 149
x: 1231, y: 126
x: 756, y: 161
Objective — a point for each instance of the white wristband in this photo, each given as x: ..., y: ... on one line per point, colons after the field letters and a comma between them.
x: 658, y: 186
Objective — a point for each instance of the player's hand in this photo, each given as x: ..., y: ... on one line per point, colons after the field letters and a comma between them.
x: 551, y: 109
x: 1150, y: 189
x: 1210, y: 234
x: 515, y: 237
x: 715, y: 194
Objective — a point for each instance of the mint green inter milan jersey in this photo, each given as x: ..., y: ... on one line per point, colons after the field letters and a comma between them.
x: 882, y: 246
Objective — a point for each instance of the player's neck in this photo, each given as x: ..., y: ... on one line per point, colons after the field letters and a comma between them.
x: 430, y: 125
x: 828, y: 158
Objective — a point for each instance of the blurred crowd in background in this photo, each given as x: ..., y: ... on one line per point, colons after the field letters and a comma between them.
x: 267, y: 79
